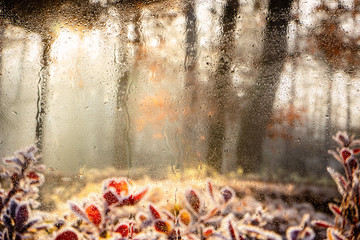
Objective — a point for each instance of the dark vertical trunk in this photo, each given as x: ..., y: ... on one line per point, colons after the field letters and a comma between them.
x: 261, y: 95
x: 292, y: 161
x: 191, y: 84
x: 123, y: 156
x: 42, y: 91
x: 329, y: 131
x: 221, y: 86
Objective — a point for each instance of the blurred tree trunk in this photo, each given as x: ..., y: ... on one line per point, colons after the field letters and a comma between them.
x: 191, y: 83
x: 221, y: 86
x: 329, y: 131
x: 261, y: 95
x: 123, y: 156
x: 42, y: 86
x: 292, y: 161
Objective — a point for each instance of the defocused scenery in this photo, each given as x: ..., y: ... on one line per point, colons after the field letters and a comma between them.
x: 172, y: 93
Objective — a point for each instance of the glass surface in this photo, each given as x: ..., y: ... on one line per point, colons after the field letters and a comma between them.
x: 171, y: 93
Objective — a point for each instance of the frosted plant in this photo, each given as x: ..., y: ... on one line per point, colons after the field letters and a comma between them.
x: 346, y: 224
x: 24, y: 175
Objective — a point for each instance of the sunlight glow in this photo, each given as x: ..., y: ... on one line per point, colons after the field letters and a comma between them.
x: 65, y: 46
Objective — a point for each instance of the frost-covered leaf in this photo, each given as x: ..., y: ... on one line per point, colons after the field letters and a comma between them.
x: 232, y: 232
x: 258, y: 232
x: 93, y: 213
x: 208, y: 232
x: 27, y: 226
x: 345, y: 154
x: 123, y: 229
x: 321, y: 223
x: 78, y: 211
x: 12, y: 208
x: 185, y: 217
x: 193, y: 200
x: 138, y: 196
x: 162, y: 226
x: 333, y: 234
x: 22, y: 215
x: 210, y: 189
x: 110, y: 197
x: 353, y: 164
x: 335, y: 209
x: 227, y: 194
x: 155, y: 214
x: 342, y: 138
x: 120, y: 185
x: 300, y: 233
x: 67, y: 235
x: 340, y: 181
x: 16, y: 161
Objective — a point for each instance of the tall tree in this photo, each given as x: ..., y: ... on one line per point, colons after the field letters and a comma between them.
x: 123, y: 155
x: 191, y: 83
x: 221, y: 86
x: 260, y: 97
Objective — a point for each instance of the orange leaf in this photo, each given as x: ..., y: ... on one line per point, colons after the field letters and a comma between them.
x: 185, y: 217
x: 93, y: 214
x: 162, y: 226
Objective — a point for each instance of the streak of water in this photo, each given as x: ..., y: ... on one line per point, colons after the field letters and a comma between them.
x: 128, y: 127
x: 41, y: 94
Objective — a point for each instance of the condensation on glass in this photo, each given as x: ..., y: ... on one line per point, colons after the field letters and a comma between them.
x: 156, y: 86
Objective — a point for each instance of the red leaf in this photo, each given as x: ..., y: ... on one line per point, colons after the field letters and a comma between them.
x: 352, y: 163
x: 356, y: 150
x: 210, y: 189
x: 33, y: 175
x: 335, y: 209
x: 320, y: 223
x: 120, y: 186
x: 193, y: 200
x: 232, y: 231
x: 123, y: 229
x: 138, y: 196
x: 93, y: 214
x: 208, y: 232
x: 110, y: 198
x: 154, y: 212
x: 67, y: 235
x: 162, y: 226
x: 343, y: 139
x: 345, y: 154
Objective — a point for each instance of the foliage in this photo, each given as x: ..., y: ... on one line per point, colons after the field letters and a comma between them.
x: 213, y: 213
x: 23, y: 175
x: 347, y: 224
